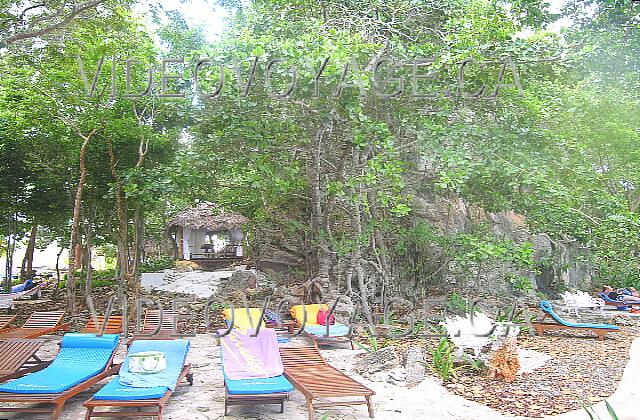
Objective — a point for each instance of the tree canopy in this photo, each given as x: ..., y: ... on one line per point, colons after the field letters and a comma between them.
x: 330, y: 125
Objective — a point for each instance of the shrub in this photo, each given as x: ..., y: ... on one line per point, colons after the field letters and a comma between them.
x: 457, y: 304
x: 151, y: 265
x: 443, y: 364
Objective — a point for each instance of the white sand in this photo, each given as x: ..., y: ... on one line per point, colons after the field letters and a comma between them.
x: 429, y: 400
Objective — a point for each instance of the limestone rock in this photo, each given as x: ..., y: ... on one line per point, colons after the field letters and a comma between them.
x: 415, y: 367
x: 375, y: 362
x: 239, y: 281
x: 397, y: 376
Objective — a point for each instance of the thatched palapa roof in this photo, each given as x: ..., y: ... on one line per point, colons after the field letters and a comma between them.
x: 207, y: 216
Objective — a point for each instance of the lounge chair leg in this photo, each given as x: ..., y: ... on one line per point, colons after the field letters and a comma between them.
x: 225, y: 407
x: 87, y: 416
x: 370, y: 406
x: 311, y: 410
x: 190, y: 378
x: 281, y: 406
x: 57, y: 411
x: 539, y: 330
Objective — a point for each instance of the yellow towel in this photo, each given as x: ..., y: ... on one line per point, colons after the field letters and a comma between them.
x: 312, y: 313
x: 241, y: 321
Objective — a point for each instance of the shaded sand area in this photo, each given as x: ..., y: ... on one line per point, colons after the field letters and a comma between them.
x: 205, y: 399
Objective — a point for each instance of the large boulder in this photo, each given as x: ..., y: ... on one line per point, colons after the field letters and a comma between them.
x: 240, y: 281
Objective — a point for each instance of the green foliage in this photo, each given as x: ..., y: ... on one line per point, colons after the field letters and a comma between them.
x: 594, y: 416
x: 443, y: 364
x: 519, y: 282
x: 155, y: 264
x: 372, y: 344
x: 475, y: 366
x: 373, y: 184
x: 457, y: 304
x: 104, y: 278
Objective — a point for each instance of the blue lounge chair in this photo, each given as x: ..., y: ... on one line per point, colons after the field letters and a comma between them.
x: 137, y: 391
x: 617, y: 303
x: 83, y: 361
x: 540, y: 326
x: 252, y: 391
x: 307, y: 315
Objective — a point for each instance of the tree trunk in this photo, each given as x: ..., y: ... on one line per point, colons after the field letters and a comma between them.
x: 11, y: 244
x: 138, y: 223
x: 75, y: 225
x: 30, y: 250
x: 88, y: 287
x: 123, y: 226
x: 138, y: 248
x: 55, y: 289
x: 323, y: 253
x: 179, y: 239
x: 378, y: 247
x: 357, y: 260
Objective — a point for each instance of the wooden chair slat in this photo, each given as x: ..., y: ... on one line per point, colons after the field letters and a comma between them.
x: 39, y: 323
x: 114, y: 325
x: 314, y: 377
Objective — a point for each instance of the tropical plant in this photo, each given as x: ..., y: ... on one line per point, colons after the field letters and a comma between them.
x: 457, y: 304
x: 443, y: 360
x: 372, y: 344
x: 594, y: 416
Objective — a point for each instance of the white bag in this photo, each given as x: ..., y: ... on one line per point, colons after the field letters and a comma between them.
x: 147, y: 362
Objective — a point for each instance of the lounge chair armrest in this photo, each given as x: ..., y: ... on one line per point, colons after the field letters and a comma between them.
x: 114, y: 369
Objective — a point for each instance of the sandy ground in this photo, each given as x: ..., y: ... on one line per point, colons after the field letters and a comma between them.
x: 205, y: 399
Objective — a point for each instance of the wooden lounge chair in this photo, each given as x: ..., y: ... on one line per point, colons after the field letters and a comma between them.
x: 142, y: 402
x: 38, y: 324
x: 114, y: 325
x: 338, y: 333
x: 83, y: 361
x: 315, y: 378
x: 18, y: 357
x: 560, y: 324
x: 7, y: 300
x: 5, y: 321
x: 150, y: 324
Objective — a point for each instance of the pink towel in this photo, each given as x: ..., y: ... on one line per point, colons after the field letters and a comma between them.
x: 246, y: 357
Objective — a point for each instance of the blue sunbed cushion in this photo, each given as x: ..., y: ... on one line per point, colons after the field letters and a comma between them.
x: 335, y: 330
x: 546, y: 306
x: 258, y: 385
x: 81, y: 357
x: 175, y: 352
x: 114, y: 391
x: 606, y: 298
